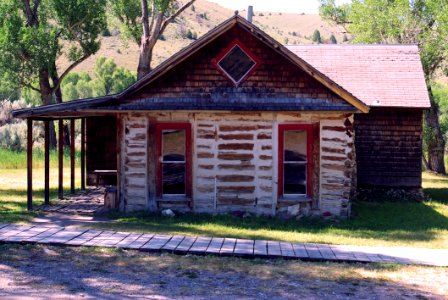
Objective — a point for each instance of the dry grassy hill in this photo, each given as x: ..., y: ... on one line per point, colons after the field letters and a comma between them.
x: 285, y: 27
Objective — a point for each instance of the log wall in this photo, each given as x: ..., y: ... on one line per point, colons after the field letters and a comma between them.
x: 235, y: 161
x: 389, y: 148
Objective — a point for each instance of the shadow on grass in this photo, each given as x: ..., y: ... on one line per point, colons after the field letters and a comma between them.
x: 13, y: 204
x: 76, y: 270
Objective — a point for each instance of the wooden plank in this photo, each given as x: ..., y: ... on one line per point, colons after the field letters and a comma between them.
x: 214, y: 246
x: 98, y: 239
x: 61, y: 159
x: 244, y: 248
x: 3, y: 225
x: 47, y: 163
x: 313, y: 251
x: 326, y: 252
x: 142, y: 240
x: 200, y: 245
x: 12, y: 231
x: 72, y: 156
x: 128, y: 240
x: 63, y: 236
x: 83, y: 153
x: 85, y: 237
x: 113, y: 239
x: 274, y: 249
x: 185, y: 245
x: 260, y: 248
x: 300, y: 251
x: 342, y: 253
x: 44, y: 234
x: 287, y: 250
x: 228, y: 246
x: 29, y: 155
x: 157, y: 242
x: 173, y: 243
x: 24, y: 235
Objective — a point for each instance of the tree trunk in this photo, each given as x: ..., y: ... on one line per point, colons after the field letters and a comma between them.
x: 436, y: 143
x: 46, y: 94
x: 144, y: 62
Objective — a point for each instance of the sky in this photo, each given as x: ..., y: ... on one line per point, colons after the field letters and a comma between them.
x: 292, y: 6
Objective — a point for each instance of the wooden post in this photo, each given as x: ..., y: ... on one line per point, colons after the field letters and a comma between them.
x: 29, y: 155
x: 72, y: 156
x: 83, y: 153
x: 61, y: 159
x: 47, y: 163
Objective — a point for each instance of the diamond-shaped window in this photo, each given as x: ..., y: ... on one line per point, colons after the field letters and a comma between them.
x: 236, y: 64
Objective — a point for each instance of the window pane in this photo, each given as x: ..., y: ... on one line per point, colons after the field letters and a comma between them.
x: 295, y: 145
x: 173, y: 145
x: 173, y: 178
x: 236, y: 63
x: 294, y: 178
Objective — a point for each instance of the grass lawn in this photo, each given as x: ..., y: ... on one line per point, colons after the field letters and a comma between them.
x: 374, y: 224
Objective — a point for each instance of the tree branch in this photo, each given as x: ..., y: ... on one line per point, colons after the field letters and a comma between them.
x: 30, y: 86
x: 175, y: 15
x: 71, y: 67
x: 145, y: 18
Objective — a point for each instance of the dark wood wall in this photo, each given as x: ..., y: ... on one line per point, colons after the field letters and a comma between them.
x: 101, y: 147
x: 389, y: 148
x: 276, y: 79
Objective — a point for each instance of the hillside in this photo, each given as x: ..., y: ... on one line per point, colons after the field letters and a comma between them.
x: 285, y: 27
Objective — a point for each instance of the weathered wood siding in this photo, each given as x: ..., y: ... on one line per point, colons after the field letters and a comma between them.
x: 389, y: 148
x: 134, y: 181
x: 235, y: 160
x: 199, y: 82
x: 101, y: 141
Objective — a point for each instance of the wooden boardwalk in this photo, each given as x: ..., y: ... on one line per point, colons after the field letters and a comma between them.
x: 12, y: 233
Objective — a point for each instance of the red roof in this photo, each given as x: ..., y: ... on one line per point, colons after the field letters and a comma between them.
x: 378, y: 75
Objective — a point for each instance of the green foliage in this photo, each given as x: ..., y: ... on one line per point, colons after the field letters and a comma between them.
x: 333, y: 39
x: 108, y: 79
x: 422, y: 22
x: 316, y: 37
x: 30, y: 44
x: 440, y: 93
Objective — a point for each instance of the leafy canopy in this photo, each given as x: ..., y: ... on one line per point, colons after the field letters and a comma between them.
x: 422, y: 22
x: 30, y: 44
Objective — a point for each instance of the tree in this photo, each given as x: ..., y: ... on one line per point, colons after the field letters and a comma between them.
x: 144, y: 24
x: 108, y: 79
x: 316, y: 37
x: 333, y: 39
x: 422, y: 22
x: 35, y: 34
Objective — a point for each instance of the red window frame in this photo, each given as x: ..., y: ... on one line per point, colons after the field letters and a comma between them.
x: 309, y: 153
x: 236, y: 42
x: 164, y: 126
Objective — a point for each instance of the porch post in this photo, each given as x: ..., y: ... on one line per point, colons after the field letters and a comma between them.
x: 61, y: 159
x: 29, y: 155
x: 72, y: 156
x: 47, y: 162
x: 83, y: 153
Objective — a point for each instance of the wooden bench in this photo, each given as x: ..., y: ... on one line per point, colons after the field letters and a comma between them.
x: 103, y: 173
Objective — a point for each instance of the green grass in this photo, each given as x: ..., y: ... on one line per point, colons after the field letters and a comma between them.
x: 417, y: 224
x: 13, y: 194
x: 18, y: 160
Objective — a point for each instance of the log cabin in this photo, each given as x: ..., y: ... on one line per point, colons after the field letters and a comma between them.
x: 237, y: 121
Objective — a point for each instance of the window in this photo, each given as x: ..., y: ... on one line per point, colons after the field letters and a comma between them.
x: 236, y: 62
x: 295, y: 160
x: 174, y: 159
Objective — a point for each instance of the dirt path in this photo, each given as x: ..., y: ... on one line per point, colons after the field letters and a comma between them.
x: 42, y: 272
